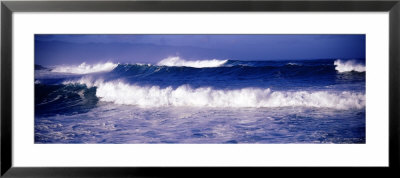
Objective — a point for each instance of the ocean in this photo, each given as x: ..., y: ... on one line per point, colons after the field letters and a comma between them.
x: 205, y: 101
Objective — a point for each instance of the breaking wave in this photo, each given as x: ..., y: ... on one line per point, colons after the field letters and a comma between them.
x: 119, y: 92
x: 177, y: 61
x: 85, y: 68
x: 348, y: 66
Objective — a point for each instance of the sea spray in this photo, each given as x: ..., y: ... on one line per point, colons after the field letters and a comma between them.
x: 85, y: 68
x: 348, y: 66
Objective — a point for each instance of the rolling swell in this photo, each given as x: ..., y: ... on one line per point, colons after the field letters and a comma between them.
x: 235, y: 74
x: 242, y: 68
x: 223, y: 71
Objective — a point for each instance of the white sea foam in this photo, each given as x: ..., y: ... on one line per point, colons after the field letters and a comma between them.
x: 119, y: 92
x: 348, y: 66
x: 85, y: 68
x: 177, y: 61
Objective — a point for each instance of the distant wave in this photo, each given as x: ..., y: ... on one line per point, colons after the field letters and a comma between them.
x: 85, y: 68
x: 340, y: 65
x: 293, y: 64
x: 348, y: 66
x: 177, y: 61
x: 119, y: 92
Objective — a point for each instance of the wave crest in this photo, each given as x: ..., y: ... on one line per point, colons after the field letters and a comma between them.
x: 177, y: 61
x: 348, y: 66
x: 119, y: 92
x: 85, y: 68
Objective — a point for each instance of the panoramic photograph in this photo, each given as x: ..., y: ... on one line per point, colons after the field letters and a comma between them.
x: 200, y: 89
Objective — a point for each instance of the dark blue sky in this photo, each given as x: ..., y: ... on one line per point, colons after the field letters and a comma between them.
x: 75, y: 49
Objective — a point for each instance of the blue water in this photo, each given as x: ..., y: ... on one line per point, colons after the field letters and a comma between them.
x: 223, y: 101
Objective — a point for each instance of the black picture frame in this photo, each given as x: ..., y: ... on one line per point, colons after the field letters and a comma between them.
x: 8, y: 7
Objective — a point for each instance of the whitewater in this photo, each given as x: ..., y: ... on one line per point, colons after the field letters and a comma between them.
x: 178, y: 100
x: 119, y: 92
